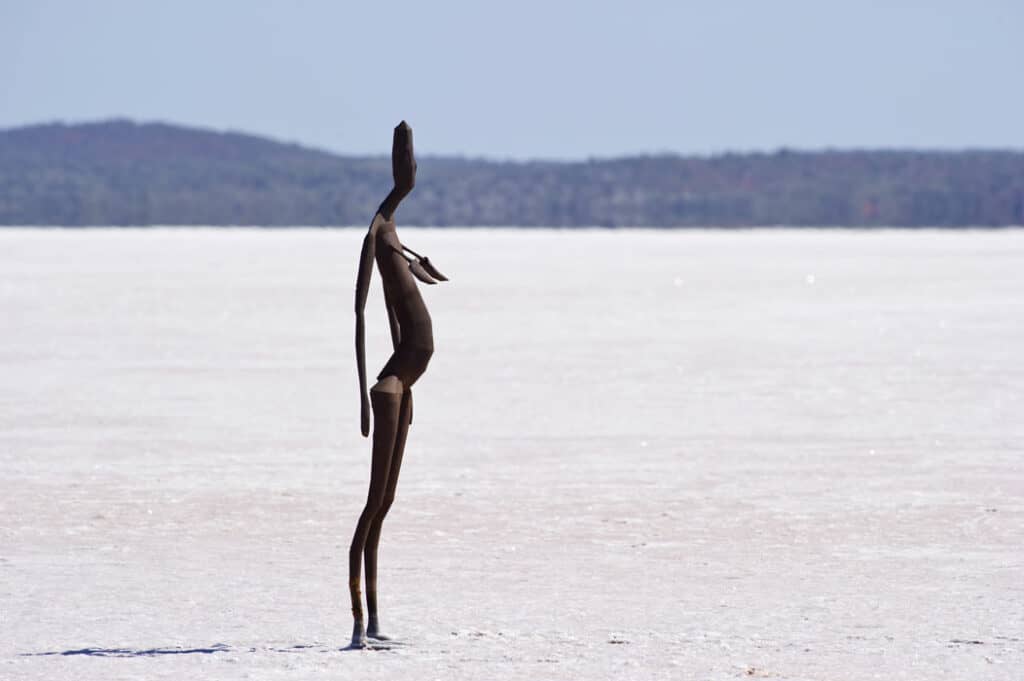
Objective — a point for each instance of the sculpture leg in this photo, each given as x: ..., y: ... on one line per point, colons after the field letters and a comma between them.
x: 373, y: 537
x: 386, y: 400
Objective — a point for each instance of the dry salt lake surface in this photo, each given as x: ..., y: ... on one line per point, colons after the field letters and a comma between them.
x: 635, y: 455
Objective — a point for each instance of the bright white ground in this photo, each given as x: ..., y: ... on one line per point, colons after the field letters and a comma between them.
x: 635, y: 455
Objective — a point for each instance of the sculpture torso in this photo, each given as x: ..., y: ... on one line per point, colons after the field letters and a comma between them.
x: 400, y: 291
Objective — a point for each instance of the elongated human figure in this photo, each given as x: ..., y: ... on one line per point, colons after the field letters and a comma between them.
x: 391, y: 396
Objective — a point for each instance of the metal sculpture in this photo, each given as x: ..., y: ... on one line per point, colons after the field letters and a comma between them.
x: 391, y: 396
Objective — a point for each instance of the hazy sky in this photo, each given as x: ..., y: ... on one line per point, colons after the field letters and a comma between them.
x: 530, y: 78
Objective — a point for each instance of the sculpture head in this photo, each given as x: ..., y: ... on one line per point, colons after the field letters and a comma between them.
x: 403, y: 161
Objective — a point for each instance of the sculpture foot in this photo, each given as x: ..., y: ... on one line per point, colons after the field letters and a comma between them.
x: 373, y: 630
x: 358, y: 636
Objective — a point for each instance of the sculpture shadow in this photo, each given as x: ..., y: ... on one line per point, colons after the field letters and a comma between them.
x: 170, y: 650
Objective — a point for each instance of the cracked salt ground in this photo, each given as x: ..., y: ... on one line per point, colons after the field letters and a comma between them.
x: 739, y: 475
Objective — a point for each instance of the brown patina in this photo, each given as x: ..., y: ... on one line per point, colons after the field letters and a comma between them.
x: 390, y: 398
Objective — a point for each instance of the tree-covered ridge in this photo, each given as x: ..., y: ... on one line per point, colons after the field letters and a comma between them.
x: 122, y: 173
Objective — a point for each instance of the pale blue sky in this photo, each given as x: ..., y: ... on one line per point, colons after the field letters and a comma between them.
x: 530, y: 79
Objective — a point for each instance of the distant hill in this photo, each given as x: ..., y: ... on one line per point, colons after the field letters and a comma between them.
x: 123, y: 173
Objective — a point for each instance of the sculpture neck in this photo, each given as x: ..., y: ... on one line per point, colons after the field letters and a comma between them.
x: 390, y: 203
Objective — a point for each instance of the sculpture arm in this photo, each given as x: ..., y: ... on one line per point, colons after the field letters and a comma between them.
x: 396, y: 328
x: 366, y: 258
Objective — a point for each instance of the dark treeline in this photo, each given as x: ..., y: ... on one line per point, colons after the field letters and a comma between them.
x: 122, y: 173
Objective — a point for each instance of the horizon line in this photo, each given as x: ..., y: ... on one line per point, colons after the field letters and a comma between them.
x: 709, y: 155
